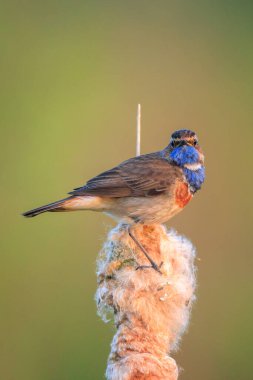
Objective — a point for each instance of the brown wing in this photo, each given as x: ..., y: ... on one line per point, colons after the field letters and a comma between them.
x: 141, y: 176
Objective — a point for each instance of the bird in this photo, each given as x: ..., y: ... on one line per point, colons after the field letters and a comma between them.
x: 147, y: 189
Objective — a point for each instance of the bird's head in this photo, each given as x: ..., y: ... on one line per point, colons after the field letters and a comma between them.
x: 184, y: 149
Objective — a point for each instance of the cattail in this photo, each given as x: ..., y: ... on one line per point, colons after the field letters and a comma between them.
x: 151, y: 310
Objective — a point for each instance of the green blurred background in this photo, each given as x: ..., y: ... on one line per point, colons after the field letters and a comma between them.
x: 72, y: 73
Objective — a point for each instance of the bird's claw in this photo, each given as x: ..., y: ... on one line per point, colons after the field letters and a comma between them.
x: 153, y: 266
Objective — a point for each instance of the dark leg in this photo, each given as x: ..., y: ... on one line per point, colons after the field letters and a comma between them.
x: 153, y: 264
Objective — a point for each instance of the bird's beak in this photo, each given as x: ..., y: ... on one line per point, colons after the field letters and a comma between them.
x: 182, y: 143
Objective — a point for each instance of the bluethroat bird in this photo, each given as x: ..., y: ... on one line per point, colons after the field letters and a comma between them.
x: 147, y: 189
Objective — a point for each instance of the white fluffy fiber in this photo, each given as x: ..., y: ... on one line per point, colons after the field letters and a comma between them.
x: 151, y: 310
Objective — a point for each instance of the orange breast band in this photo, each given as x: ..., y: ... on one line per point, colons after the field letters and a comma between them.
x: 183, y: 195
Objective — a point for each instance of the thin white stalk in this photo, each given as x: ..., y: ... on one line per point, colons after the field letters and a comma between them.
x: 138, y: 131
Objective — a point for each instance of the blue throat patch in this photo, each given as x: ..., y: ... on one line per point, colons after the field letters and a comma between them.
x: 189, y: 155
x: 195, y: 178
x: 184, y: 155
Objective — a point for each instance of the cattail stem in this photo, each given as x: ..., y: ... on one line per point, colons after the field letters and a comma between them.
x: 151, y: 310
x: 138, y: 131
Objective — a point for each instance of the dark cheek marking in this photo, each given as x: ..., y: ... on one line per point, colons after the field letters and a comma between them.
x: 183, y: 195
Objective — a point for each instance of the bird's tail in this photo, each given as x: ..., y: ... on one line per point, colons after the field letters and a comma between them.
x: 62, y: 205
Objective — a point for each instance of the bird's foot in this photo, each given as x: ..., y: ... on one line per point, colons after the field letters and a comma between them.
x: 152, y: 266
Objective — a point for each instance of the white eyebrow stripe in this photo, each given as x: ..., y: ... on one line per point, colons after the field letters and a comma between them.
x: 194, y: 166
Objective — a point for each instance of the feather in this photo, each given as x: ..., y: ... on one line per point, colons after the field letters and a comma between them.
x: 146, y: 175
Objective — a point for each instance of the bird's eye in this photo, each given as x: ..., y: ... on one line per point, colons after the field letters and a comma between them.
x: 195, y: 142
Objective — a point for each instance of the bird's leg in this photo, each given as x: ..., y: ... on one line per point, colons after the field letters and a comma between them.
x: 153, y: 264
